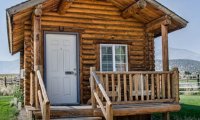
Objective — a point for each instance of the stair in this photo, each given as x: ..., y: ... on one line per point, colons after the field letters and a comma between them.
x: 84, y: 112
x: 80, y: 118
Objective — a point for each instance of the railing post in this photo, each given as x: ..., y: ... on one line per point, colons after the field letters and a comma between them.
x: 46, y: 111
x: 36, y: 91
x: 109, y: 112
x: 5, y: 81
x: 175, y: 85
x: 92, y: 83
x: 32, y: 88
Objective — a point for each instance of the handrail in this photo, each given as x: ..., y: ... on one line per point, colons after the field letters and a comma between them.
x: 136, y: 72
x: 101, y: 88
x: 41, y: 83
x: 95, y: 85
x: 43, y: 98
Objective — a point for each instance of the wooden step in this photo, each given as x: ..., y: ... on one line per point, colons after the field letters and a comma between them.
x: 69, y: 112
x: 80, y: 118
x: 141, y: 109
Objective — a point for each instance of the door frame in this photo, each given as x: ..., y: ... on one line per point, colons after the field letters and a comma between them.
x: 77, y: 60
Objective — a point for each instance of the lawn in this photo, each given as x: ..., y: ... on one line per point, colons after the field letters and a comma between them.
x: 6, y: 111
x: 190, y: 109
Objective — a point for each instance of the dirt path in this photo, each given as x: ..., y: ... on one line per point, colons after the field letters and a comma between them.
x: 22, y: 115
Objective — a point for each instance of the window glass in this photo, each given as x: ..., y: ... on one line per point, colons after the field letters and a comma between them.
x: 107, y: 58
x: 114, y: 57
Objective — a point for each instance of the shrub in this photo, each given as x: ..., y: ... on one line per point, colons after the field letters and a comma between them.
x: 18, y: 94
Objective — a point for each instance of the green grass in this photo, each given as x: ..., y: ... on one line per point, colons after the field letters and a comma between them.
x: 190, y: 109
x: 6, y: 111
x: 189, y: 81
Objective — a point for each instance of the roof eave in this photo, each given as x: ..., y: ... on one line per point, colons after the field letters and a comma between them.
x: 168, y: 12
x: 9, y: 30
x: 22, y: 6
x: 12, y: 11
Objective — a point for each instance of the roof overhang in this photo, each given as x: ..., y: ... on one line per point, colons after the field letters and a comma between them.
x: 17, y: 9
x: 168, y: 12
x: 9, y: 16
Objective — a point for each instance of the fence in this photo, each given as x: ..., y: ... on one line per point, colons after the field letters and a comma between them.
x: 6, y: 80
x: 189, y: 87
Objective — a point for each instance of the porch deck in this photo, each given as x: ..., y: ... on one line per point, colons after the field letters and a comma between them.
x: 86, y: 111
x: 119, y: 94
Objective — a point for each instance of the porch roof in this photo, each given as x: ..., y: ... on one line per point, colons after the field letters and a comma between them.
x: 17, y: 15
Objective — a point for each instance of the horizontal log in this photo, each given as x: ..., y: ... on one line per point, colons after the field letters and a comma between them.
x: 115, y: 32
x: 91, y: 57
x: 88, y: 47
x: 89, y: 26
x: 91, y: 16
x: 88, y: 52
x: 156, y: 24
x: 64, y: 5
x: 91, y: 5
x: 134, y: 9
x: 91, y: 11
x: 110, y: 37
x: 92, y: 2
x: 92, y: 21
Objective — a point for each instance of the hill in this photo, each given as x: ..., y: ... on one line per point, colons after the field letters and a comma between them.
x: 175, y: 53
x: 9, y: 67
x: 182, y: 64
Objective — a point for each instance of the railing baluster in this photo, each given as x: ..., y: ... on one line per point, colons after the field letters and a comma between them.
x: 168, y: 86
x: 113, y: 87
x: 163, y: 85
x: 102, y: 82
x: 107, y: 84
x: 125, y: 88
x: 93, y: 87
x: 147, y: 86
x: 158, y: 86
x: 131, y: 87
x: 152, y: 87
x: 136, y: 86
x: 119, y: 87
x: 142, y: 86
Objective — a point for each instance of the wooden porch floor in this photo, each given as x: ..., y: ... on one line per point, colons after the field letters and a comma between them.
x: 118, y: 110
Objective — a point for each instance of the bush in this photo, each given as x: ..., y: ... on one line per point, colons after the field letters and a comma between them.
x: 18, y: 94
x: 7, y: 91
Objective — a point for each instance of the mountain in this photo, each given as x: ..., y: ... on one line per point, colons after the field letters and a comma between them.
x: 9, y: 67
x: 183, y: 65
x: 175, y: 53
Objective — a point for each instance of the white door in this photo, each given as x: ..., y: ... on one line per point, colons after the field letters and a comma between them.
x: 61, y: 68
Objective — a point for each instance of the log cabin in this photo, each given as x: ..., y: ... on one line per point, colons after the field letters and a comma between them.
x: 94, y: 58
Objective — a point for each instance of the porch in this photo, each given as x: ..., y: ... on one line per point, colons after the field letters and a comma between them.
x: 118, y: 94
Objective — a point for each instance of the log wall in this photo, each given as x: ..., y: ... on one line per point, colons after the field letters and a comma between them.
x: 98, y: 23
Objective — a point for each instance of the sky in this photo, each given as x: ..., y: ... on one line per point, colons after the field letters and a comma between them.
x: 187, y: 38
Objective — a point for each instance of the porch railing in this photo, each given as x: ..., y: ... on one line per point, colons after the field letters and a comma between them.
x: 44, y: 102
x: 99, y: 93
x: 109, y: 88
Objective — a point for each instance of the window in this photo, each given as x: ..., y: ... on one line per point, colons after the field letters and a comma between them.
x: 113, y: 57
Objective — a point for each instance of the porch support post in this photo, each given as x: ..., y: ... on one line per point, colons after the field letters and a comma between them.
x: 166, y: 116
x: 37, y: 46
x: 165, y: 56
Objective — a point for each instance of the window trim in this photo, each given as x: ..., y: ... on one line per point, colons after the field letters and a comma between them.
x: 113, y: 50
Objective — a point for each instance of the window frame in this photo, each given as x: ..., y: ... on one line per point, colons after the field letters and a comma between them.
x: 113, y: 55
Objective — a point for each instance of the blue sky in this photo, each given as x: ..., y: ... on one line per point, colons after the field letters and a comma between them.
x: 187, y: 38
